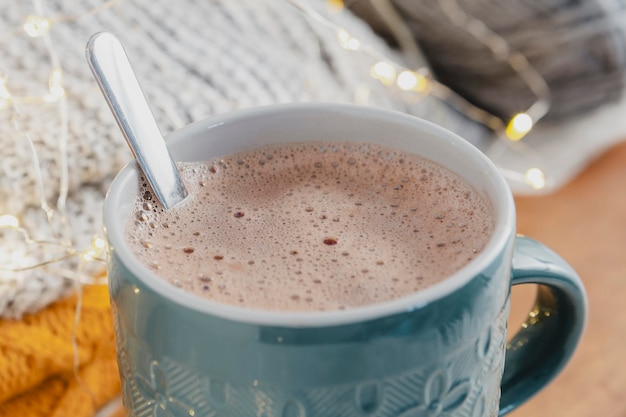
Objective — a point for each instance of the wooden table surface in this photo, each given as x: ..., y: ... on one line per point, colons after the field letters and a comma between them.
x: 585, y: 222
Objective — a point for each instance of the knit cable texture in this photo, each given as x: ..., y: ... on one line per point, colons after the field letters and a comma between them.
x: 37, y: 356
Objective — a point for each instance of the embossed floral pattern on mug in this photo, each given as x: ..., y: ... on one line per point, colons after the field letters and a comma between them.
x: 442, y: 397
x: 463, y: 386
x: 156, y: 394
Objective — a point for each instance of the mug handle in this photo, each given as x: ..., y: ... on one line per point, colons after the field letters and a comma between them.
x: 550, y: 334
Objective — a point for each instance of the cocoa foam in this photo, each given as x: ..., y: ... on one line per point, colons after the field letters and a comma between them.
x: 314, y: 226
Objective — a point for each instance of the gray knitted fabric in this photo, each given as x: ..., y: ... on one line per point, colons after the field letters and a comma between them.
x: 577, y: 47
x: 194, y: 58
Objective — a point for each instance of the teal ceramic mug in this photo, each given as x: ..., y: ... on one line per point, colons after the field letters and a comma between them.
x: 439, y: 352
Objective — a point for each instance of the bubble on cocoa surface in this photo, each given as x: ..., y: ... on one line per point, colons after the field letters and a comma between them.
x: 302, y: 200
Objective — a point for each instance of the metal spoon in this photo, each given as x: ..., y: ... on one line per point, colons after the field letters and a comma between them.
x: 116, y: 78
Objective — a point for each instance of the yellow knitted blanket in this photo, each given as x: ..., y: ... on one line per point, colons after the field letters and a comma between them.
x: 37, y: 356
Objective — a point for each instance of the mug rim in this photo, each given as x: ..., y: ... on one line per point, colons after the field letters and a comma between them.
x: 504, y: 230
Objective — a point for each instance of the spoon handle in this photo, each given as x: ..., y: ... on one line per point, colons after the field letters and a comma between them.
x: 116, y: 78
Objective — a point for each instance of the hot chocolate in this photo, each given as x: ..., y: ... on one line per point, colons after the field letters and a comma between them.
x: 312, y: 226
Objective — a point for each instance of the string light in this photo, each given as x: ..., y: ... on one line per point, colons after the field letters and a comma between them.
x: 384, y: 72
x: 336, y: 5
x: 95, y: 251
x: 55, y: 83
x: 55, y: 88
x: 5, y: 95
x: 14, y: 259
x: 36, y: 26
x: 347, y: 41
x: 519, y: 126
x: 27, y: 253
x: 535, y: 178
x: 9, y: 221
x: 413, y: 81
